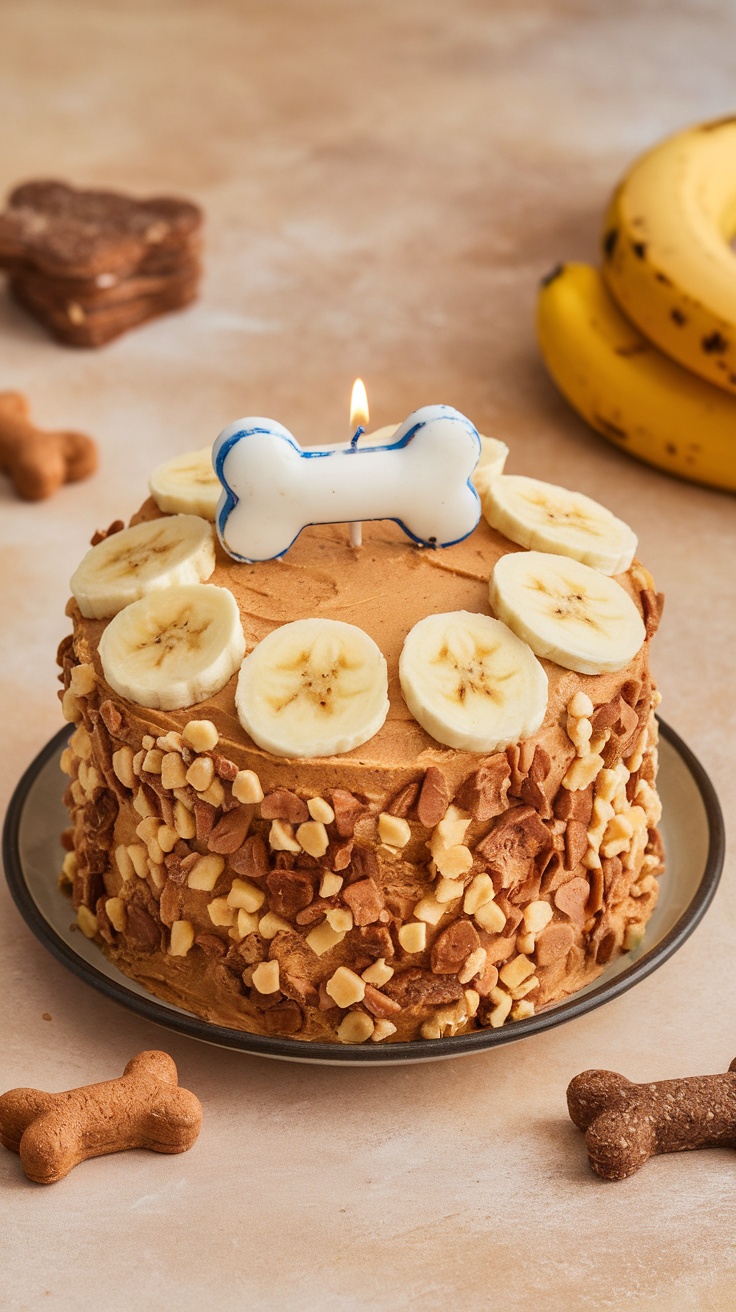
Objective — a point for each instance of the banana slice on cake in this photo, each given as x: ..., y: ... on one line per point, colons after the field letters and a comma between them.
x: 128, y: 564
x: 174, y: 647
x: 187, y: 484
x: 545, y: 517
x: 471, y: 683
x: 493, y: 457
x: 314, y: 687
x: 566, y: 611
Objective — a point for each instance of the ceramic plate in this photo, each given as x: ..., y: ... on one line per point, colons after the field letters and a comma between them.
x: 692, y: 829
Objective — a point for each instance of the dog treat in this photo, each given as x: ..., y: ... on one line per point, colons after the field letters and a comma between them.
x: 91, y: 264
x: 88, y: 294
x: 628, y: 1123
x: 144, y: 1108
x: 90, y: 234
x: 76, y: 322
x: 38, y: 462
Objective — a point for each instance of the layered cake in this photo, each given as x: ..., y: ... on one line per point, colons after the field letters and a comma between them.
x: 363, y: 794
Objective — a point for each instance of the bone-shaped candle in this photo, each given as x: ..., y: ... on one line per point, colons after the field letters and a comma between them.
x: 143, y: 1108
x: 273, y: 487
x: 628, y: 1123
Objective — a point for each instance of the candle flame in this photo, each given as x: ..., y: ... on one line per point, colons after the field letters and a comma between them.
x: 359, y: 414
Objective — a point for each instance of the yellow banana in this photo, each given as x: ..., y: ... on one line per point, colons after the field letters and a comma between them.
x: 666, y: 253
x: 627, y: 389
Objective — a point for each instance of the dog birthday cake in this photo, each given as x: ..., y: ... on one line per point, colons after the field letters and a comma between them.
x: 361, y: 786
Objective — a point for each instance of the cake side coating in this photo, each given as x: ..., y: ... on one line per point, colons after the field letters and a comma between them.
x: 563, y: 850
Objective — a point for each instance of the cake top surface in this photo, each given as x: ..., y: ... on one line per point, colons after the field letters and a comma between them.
x: 384, y: 587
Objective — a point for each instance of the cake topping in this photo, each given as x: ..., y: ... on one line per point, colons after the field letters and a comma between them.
x: 420, y: 479
x: 313, y: 688
x: 202, y: 735
x: 357, y: 1027
x: 485, y: 792
x: 393, y: 830
x: 566, y: 611
x: 320, y: 810
x: 174, y: 647
x: 154, y: 554
x: 187, y: 484
x: 247, y: 787
x: 434, y: 797
x: 493, y: 457
x: 470, y: 682
x: 282, y: 804
x: 544, y: 517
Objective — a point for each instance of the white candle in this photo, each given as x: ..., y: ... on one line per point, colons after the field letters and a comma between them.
x: 273, y: 488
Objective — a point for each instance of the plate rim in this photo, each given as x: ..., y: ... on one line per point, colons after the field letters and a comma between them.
x: 152, y: 1009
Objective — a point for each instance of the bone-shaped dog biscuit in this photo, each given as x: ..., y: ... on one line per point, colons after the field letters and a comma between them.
x: 144, y: 1108
x: 627, y: 1123
x: 274, y: 487
x: 37, y: 462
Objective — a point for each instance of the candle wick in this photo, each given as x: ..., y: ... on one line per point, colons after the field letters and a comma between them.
x: 354, y: 439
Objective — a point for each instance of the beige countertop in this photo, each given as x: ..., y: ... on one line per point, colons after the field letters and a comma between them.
x: 384, y: 185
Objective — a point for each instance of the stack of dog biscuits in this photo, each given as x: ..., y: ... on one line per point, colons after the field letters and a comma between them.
x: 89, y: 265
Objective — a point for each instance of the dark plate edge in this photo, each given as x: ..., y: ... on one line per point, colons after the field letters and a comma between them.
x: 422, y: 1050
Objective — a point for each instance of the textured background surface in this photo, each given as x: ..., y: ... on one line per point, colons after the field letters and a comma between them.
x: 384, y: 185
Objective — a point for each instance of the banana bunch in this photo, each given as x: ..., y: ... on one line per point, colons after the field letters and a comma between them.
x: 645, y: 348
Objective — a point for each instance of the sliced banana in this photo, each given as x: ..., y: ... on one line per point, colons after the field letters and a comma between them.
x: 545, y: 517
x: 155, y: 554
x: 470, y: 682
x: 493, y: 457
x: 566, y: 611
x: 187, y: 484
x: 314, y: 687
x: 174, y: 647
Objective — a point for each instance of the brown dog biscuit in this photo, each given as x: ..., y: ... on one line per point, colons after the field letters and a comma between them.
x: 75, y: 256
x: 60, y: 230
x: 127, y: 292
x: 628, y: 1123
x: 37, y: 462
x: 98, y: 324
x: 158, y: 262
x: 113, y: 289
x: 144, y: 1108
